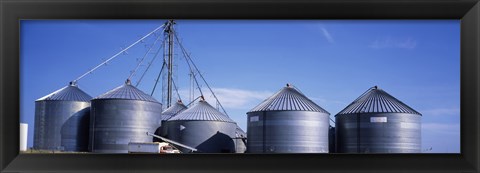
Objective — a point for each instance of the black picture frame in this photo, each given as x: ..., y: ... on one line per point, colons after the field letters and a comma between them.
x: 12, y: 11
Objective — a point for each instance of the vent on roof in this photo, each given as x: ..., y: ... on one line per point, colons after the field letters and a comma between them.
x: 68, y: 93
x: 376, y: 100
x: 288, y: 99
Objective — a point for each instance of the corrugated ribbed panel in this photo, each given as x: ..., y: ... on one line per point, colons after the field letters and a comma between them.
x: 68, y: 93
x: 377, y: 101
x: 288, y: 99
x: 127, y: 92
x: 202, y: 111
x: 173, y: 110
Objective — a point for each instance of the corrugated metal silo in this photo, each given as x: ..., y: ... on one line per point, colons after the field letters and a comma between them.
x: 173, y: 110
x: 122, y: 115
x: 377, y: 122
x: 167, y: 114
x: 203, y: 127
x: 62, y: 120
x: 287, y: 122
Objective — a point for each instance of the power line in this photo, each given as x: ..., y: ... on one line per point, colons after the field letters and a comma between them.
x: 188, y: 58
x: 143, y: 58
x: 150, y: 64
x: 111, y: 58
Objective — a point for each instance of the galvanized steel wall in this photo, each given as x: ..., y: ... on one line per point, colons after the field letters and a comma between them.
x: 385, y: 133
x: 206, y: 136
x: 61, y: 125
x: 116, y: 122
x: 75, y: 131
x: 287, y: 132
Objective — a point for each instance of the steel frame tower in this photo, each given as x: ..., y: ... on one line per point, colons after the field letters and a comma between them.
x: 169, y: 32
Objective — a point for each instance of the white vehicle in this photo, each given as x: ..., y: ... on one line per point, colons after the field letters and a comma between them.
x: 168, y: 149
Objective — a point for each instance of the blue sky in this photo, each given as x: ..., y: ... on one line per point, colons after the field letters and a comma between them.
x: 245, y: 61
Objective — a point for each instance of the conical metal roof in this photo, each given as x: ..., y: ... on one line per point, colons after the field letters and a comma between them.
x: 376, y: 100
x: 288, y: 99
x: 173, y: 110
x: 127, y: 92
x: 202, y: 111
x: 68, y: 93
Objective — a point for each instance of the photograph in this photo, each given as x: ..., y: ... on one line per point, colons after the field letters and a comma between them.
x: 177, y: 86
